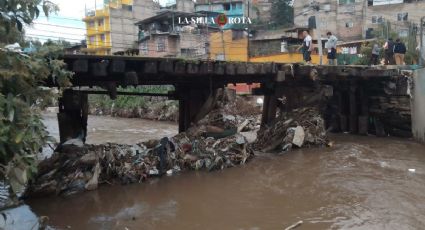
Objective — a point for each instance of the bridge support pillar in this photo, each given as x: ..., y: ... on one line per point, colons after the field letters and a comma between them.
x: 72, y: 116
x: 364, y: 111
x: 193, y: 105
x: 353, y: 119
x: 270, y: 104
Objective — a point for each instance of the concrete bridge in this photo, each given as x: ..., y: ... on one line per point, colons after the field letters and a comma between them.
x: 196, y: 82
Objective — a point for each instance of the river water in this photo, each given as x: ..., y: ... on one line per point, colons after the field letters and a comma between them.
x: 359, y: 183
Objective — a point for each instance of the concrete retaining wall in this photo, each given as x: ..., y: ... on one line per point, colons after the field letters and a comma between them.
x: 418, y: 105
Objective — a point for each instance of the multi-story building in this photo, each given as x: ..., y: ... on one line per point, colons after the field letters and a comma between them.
x: 111, y: 29
x: 232, y: 9
x: 262, y: 9
x: 345, y: 18
x: 229, y: 45
x: 187, y: 6
x: 167, y: 34
x: 355, y: 19
x: 401, y: 15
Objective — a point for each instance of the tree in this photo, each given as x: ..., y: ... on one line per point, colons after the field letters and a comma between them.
x: 22, y: 134
x: 282, y: 13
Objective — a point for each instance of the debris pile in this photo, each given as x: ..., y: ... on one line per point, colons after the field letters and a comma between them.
x: 300, y: 127
x: 213, y: 143
x: 231, y: 114
x: 75, y: 169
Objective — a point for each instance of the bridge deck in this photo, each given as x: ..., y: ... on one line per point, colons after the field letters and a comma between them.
x: 127, y: 70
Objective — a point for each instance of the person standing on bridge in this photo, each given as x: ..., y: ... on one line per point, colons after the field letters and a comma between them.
x: 307, y: 47
x: 399, y: 52
x: 375, y: 54
x: 389, y: 52
x: 331, y: 46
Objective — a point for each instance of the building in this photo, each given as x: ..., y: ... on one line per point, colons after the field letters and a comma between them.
x: 111, y: 29
x: 281, y: 46
x: 229, y: 45
x: 168, y: 35
x: 349, y: 52
x: 187, y: 6
x: 232, y: 9
x: 262, y: 10
x: 76, y: 48
x: 345, y: 18
x: 401, y: 15
x: 357, y: 19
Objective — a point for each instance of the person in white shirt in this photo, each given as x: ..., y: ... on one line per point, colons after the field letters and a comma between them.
x: 306, y: 47
x: 375, y: 54
x: 331, y: 46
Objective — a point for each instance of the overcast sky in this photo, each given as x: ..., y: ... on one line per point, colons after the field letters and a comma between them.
x: 67, y: 23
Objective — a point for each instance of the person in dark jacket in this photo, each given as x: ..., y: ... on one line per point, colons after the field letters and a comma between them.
x: 399, y: 52
x: 389, y: 52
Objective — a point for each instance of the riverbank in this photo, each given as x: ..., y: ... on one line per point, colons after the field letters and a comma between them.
x: 152, y: 108
x: 158, y: 108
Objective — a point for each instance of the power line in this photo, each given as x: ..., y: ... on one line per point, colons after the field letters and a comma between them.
x: 118, y: 45
x: 187, y: 39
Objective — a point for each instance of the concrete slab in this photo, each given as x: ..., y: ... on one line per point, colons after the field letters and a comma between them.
x: 418, y: 105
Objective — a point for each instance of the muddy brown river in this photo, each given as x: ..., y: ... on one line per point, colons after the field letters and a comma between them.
x: 359, y: 183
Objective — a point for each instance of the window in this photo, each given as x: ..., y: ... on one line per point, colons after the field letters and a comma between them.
x: 306, y: 9
x: 102, y: 37
x: 349, y: 24
x: 219, y: 57
x: 144, y: 47
x: 327, y: 7
x: 237, y: 34
x: 92, y: 39
x: 91, y: 24
x: 127, y: 7
x: 226, y: 6
x: 160, y: 44
x: 377, y: 20
x: 402, y: 17
x: 403, y: 33
x: 233, y: 6
x: 100, y: 23
x: 188, y: 52
x: 344, y: 2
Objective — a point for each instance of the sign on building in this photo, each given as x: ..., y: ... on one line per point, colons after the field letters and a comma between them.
x: 386, y: 2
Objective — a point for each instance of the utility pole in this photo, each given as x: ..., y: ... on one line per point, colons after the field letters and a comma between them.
x: 247, y: 45
x: 316, y: 7
x: 422, y: 51
x: 222, y: 43
x: 364, y: 12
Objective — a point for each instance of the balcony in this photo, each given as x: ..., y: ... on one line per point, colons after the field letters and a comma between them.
x: 98, y: 30
x: 92, y: 15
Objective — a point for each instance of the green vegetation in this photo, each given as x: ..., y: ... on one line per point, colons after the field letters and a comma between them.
x: 282, y: 13
x: 282, y: 16
x: 22, y: 134
x: 157, y: 108
x: 381, y: 35
x: 127, y: 102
